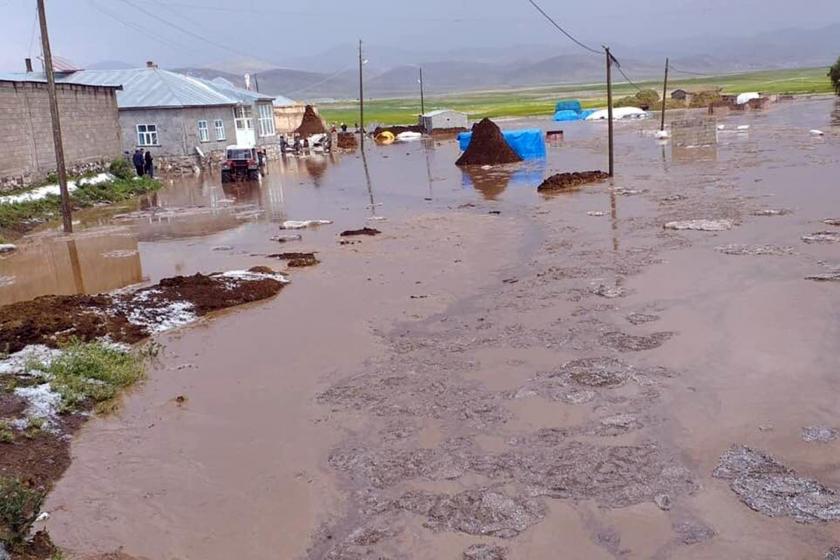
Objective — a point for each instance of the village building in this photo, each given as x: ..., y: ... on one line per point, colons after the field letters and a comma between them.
x: 288, y: 114
x: 682, y: 95
x: 91, y: 128
x: 184, y: 121
x: 443, y: 119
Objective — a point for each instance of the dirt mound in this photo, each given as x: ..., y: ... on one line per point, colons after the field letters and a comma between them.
x: 562, y: 181
x: 297, y: 260
x: 363, y: 231
x: 53, y: 320
x: 312, y: 123
x: 346, y: 141
x: 487, y: 147
x: 129, y: 316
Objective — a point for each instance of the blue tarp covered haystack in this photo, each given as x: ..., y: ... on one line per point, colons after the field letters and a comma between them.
x: 528, y: 143
x: 570, y: 110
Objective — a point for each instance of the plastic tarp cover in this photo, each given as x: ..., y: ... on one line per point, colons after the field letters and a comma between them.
x: 568, y: 105
x: 567, y: 115
x: 747, y: 97
x: 528, y: 143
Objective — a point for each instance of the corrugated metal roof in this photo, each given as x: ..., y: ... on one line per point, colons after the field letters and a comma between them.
x: 155, y: 87
x: 41, y: 78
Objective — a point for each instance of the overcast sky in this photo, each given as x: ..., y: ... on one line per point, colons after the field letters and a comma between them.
x: 197, y: 32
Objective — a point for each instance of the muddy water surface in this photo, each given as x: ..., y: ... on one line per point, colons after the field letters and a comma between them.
x: 564, y: 375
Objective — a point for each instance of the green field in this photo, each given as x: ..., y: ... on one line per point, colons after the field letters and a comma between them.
x: 539, y: 101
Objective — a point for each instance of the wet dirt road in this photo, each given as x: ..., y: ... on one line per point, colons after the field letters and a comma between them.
x: 565, y: 375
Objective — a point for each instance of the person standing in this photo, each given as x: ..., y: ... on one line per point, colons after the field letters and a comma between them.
x: 149, y: 165
x: 138, y: 161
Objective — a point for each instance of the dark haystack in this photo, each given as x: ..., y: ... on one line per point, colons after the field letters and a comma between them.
x: 487, y: 146
x: 347, y: 141
x: 363, y: 231
x: 312, y: 123
x: 562, y: 181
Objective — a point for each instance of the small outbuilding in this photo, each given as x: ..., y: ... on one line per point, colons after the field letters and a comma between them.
x: 443, y: 119
x: 682, y: 95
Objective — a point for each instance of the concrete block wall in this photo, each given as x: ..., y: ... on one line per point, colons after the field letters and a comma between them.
x: 89, y: 125
x: 696, y: 131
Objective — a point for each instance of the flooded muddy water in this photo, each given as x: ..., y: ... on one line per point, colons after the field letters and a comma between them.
x: 498, y: 374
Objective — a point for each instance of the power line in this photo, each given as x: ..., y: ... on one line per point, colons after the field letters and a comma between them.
x: 629, y: 81
x: 140, y: 29
x: 563, y: 31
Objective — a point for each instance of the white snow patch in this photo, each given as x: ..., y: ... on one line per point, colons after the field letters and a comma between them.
x: 120, y: 254
x: 302, y: 224
x: 54, y: 190
x: 42, y: 401
x: 701, y: 225
x: 6, y: 281
x: 252, y: 276
x: 161, y: 319
x: 16, y: 363
x: 7, y: 248
x: 816, y: 132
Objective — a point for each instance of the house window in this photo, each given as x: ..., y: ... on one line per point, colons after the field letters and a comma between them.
x: 219, y: 125
x: 244, y: 117
x: 203, y: 132
x: 266, y: 113
x: 147, y: 135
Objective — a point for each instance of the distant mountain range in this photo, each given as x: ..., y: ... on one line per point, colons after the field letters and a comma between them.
x: 394, y: 71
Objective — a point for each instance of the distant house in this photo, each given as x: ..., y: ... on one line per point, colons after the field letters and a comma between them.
x: 90, y: 130
x: 443, y: 119
x: 682, y: 95
x: 288, y: 114
x: 184, y: 121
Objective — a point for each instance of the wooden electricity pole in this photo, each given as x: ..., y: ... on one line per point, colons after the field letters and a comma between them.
x: 610, y: 110
x: 61, y: 170
x: 422, y: 100
x: 664, y: 94
x: 361, y: 95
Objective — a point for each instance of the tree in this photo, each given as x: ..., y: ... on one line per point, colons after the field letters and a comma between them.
x: 834, y: 74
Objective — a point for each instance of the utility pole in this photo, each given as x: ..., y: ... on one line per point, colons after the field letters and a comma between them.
x: 61, y: 170
x: 664, y: 94
x: 361, y: 95
x: 610, y: 109
x: 422, y: 100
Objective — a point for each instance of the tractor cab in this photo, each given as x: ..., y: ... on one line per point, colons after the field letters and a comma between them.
x: 240, y: 164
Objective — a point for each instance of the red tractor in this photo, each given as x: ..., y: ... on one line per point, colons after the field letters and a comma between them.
x: 241, y: 164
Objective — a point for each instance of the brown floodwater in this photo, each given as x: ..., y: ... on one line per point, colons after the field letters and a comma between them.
x: 563, y: 375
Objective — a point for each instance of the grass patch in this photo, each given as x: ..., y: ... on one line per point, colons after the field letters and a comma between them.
x: 22, y: 216
x: 20, y: 506
x: 91, y: 373
x: 7, y: 435
x: 540, y: 101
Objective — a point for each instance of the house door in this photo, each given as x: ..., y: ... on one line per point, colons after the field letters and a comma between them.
x: 244, y: 119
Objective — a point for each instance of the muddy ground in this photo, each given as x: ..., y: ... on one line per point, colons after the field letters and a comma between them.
x: 562, y: 374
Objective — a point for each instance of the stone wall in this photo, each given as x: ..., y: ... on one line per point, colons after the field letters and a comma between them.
x: 89, y: 125
x: 695, y: 131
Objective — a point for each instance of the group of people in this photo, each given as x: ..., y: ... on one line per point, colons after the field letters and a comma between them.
x: 144, y: 164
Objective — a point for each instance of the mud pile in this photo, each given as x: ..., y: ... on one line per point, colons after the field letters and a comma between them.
x: 363, y: 231
x: 562, y: 181
x: 346, y: 141
x: 296, y: 259
x: 312, y: 123
x: 487, y: 147
x: 129, y: 316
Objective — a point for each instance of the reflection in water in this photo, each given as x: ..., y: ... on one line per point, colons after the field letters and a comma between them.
x: 492, y: 182
x: 428, y: 148
x: 684, y: 155
x: 89, y: 263
x: 368, y: 181
x: 835, y: 114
